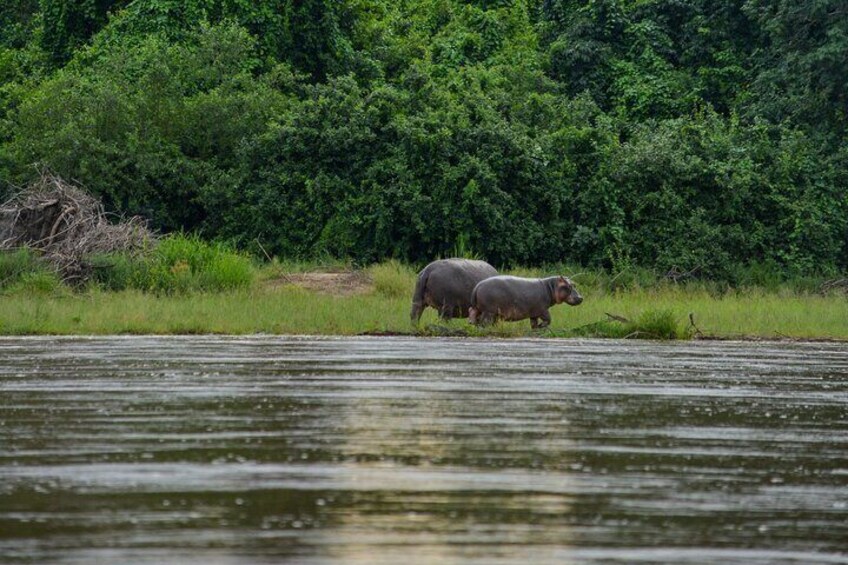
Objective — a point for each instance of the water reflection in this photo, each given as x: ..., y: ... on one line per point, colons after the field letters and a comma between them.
x: 268, y: 450
x: 454, y: 465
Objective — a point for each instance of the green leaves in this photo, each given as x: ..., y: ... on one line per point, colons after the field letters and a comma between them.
x: 692, y: 135
x: 146, y: 123
x: 68, y: 25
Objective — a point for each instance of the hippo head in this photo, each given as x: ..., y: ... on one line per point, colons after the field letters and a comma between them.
x: 566, y: 292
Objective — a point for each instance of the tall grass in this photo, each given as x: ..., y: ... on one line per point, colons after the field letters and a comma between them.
x: 14, y: 264
x: 179, y: 264
x: 393, y: 279
x: 650, y: 324
x: 22, y: 271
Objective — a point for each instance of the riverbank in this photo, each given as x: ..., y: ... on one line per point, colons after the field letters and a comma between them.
x: 377, y: 301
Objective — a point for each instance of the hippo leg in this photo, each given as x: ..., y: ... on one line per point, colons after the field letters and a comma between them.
x: 415, y: 314
x: 534, y: 323
x: 487, y: 319
x: 473, y: 313
x: 446, y: 312
x: 546, y: 320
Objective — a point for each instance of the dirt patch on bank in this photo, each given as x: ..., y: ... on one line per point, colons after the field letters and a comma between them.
x: 345, y: 283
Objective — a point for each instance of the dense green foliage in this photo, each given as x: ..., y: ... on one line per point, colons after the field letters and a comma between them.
x: 705, y: 137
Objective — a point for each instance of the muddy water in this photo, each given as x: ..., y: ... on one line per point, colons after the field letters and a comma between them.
x: 374, y: 450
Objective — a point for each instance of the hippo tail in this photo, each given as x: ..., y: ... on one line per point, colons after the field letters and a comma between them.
x: 418, y: 296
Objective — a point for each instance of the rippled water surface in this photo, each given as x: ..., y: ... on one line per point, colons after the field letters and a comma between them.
x: 379, y: 450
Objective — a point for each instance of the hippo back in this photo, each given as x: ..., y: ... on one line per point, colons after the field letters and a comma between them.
x: 452, y: 280
x: 512, y: 298
x: 446, y: 285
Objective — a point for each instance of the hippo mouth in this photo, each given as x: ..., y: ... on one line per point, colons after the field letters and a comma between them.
x: 574, y: 300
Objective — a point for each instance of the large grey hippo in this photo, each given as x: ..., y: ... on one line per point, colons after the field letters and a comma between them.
x: 515, y: 298
x: 446, y: 285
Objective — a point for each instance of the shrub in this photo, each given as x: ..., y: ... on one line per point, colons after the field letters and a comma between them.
x: 14, y: 264
x: 651, y: 324
x: 39, y: 282
x: 21, y: 270
x: 116, y: 271
x: 180, y: 263
x: 656, y: 324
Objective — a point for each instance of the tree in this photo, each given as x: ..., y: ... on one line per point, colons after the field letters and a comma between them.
x: 317, y: 44
x: 69, y: 24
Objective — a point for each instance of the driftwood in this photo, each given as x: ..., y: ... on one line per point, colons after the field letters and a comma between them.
x: 840, y: 284
x: 676, y: 274
x: 617, y: 318
x: 693, y: 328
x: 66, y: 226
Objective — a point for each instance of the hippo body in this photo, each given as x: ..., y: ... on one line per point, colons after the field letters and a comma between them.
x: 515, y: 298
x: 446, y: 285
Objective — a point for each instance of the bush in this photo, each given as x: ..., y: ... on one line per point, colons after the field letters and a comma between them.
x: 227, y: 271
x: 13, y: 264
x: 651, y: 324
x: 21, y: 270
x: 41, y: 282
x: 760, y: 274
x: 116, y: 271
x: 180, y: 263
x: 657, y: 324
x: 146, y: 124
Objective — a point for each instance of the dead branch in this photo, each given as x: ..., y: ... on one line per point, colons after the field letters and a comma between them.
x: 66, y: 225
x: 697, y: 333
x: 676, y: 274
x: 617, y: 318
x: 835, y: 284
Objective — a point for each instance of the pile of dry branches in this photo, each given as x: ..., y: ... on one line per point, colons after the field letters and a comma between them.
x: 835, y: 285
x: 66, y: 225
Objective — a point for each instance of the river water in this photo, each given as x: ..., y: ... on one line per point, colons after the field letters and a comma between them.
x: 210, y: 450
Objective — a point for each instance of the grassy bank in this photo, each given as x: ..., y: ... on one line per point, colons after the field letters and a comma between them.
x: 276, y: 303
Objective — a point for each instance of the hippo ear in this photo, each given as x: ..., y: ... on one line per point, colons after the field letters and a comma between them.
x: 562, y: 279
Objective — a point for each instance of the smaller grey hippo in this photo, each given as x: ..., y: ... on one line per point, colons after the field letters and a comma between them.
x: 515, y: 298
x: 446, y: 285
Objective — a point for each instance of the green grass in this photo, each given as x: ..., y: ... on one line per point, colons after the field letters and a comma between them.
x: 294, y: 311
x: 289, y: 311
x: 660, y: 312
x: 651, y: 324
x: 179, y: 264
x: 393, y: 279
x: 21, y: 271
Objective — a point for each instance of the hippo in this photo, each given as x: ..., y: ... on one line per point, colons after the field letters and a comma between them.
x: 446, y: 285
x: 515, y: 298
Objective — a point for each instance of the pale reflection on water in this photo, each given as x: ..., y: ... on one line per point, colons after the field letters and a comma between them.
x: 387, y: 450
